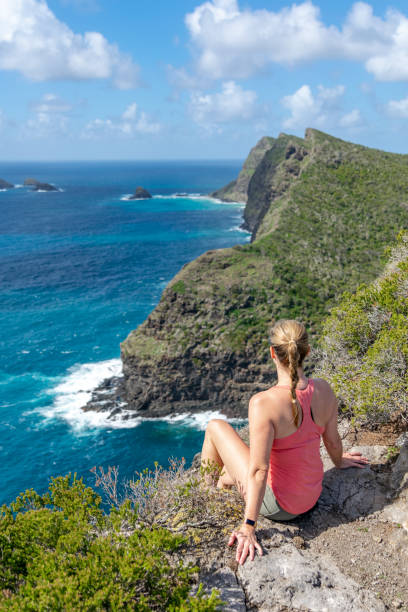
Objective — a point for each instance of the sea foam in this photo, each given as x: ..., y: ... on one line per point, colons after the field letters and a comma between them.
x: 74, y: 390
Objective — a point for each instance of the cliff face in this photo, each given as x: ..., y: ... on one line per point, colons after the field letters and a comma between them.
x: 237, y: 191
x: 321, y: 211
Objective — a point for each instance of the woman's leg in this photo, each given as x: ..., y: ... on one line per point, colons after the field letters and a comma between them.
x: 223, y: 446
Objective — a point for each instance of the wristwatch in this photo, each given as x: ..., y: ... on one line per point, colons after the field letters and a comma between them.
x: 250, y: 522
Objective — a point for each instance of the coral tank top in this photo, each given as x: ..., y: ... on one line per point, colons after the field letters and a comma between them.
x: 295, y: 468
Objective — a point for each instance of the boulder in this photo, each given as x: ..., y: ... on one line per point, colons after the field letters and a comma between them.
x: 140, y: 194
x: 5, y: 185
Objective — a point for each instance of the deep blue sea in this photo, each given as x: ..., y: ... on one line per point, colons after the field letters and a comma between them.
x: 79, y: 269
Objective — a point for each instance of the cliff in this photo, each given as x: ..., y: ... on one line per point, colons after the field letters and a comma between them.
x: 237, y: 191
x: 321, y: 211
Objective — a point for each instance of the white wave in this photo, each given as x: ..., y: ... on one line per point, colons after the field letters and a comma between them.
x: 238, y: 228
x: 126, y: 197
x: 198, y: 420
x: 75, y: 390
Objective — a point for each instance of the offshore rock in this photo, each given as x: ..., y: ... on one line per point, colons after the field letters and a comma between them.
x: 5, y: 185
x: 140, y: 194
x: 38, y: 186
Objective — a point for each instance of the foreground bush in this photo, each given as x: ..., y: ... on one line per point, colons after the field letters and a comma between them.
x: 365, y: 344
x: 60, y: 551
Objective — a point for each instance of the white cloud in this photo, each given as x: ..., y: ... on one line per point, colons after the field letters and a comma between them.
x: 312, y: 110
x: 351, y: 119
x: 398, y: 108
x: 34, y: 42
x: 234, y: 43
x: 50, y: 117
x: 232, y: 103
x: 131, y: 122
x: 50, y: 103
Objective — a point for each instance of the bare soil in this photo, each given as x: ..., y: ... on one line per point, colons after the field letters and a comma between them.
x: 373, y: 553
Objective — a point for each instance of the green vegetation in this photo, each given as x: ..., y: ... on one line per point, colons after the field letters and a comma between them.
x: 325, y: 234
x: 365, y: 344
x: 60, y: 551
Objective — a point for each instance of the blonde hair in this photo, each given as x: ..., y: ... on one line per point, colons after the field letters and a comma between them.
x: 290, y: 341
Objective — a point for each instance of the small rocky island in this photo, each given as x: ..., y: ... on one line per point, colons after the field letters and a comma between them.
x: 38, y: 186
x: 5, y: 185
x: 140, y: 194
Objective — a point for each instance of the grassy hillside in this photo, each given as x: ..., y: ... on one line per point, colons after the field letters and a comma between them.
x: 323, y: 210
x: 365, y: 344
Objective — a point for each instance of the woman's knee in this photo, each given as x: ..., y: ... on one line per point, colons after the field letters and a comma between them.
x: 214, y: 426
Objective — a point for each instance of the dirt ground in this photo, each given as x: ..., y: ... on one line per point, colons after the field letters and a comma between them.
x: 373, y: 553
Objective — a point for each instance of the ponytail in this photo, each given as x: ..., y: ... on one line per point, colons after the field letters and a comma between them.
x: 290, y: 341
x: 293, y: 358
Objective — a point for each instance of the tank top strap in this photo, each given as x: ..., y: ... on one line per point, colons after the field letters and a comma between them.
x: 305, y: 398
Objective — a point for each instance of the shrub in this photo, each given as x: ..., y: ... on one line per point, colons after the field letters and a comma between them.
x: 365, y: 344
x: 60, y: 551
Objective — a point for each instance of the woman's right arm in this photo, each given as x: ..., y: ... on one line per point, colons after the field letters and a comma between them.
x: 333, y: 442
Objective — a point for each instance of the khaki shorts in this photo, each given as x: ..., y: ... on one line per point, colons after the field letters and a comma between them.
x: 271, y: 509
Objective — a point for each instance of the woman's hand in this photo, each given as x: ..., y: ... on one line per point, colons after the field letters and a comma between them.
x: 353, y: 459
x: 246, y: 543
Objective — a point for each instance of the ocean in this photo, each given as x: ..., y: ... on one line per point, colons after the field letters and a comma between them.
x: 79, y: 269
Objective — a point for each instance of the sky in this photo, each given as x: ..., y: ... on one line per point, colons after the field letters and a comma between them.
x: 146, y: 80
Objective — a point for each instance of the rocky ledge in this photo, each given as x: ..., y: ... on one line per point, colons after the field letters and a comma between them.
x: 140, y: 194
x: 349, y: 553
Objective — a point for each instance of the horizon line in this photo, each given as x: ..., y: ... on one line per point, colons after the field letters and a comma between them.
x: 55, y: 161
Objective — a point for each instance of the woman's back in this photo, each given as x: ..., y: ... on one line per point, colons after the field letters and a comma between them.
x: 278, y: 402
x: 295, y: 468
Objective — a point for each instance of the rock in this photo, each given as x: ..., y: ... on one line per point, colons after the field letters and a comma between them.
x: 44, y: 187
x: 354, y: 492
x: 38, y: 186
x: 300, y: 580
x: 230, y: 591
x: 397, y: 510
x: 5, y: 185
x: 140, y: 194
x: 402, y: 440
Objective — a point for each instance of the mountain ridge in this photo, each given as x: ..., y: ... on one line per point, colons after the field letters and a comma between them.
x: 321, y: 211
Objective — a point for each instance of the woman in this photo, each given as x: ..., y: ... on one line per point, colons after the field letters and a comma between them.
x: 280, y: 474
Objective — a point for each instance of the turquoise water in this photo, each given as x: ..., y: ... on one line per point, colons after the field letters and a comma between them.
x: 79, y: 269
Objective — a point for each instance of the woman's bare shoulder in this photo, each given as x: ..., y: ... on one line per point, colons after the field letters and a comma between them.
x: 322, y: 387
x: 264, y: 401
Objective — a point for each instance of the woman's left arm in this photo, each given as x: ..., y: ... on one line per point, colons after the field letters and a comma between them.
x: 261, y: 435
